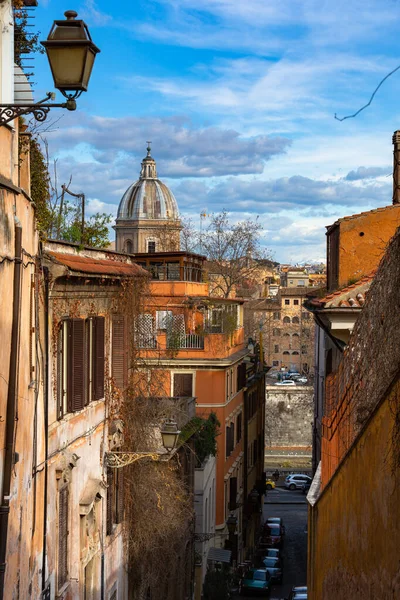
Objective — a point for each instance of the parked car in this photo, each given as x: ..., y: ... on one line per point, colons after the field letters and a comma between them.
x: 256, y: 581
x: 269, y: 484
x: 275, y: 521
x: 302, y: 380
x: 273, y: 553
x: 287, y: 382
x: 298, y: 593
x: 294, y: 376
x: 274, y: 568
x: 296, y: 481
x: 305, y: 487
x: 272, y: 535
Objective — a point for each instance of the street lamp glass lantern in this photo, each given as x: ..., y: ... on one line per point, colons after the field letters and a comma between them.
x: 170, y: 434
x: 71, y: 54
x: 231, y: 523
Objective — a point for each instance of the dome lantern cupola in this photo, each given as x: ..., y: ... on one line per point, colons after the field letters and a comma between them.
x: 148, y: 216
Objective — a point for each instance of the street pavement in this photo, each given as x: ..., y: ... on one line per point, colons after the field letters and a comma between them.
x: 292, y: 507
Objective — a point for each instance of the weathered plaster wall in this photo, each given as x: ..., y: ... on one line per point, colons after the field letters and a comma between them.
x: 288, y: 416
x: 354, y: 529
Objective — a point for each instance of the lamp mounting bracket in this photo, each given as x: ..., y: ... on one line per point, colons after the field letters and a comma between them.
x: 40, y: 110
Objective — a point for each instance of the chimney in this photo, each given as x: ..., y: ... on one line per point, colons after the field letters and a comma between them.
x: 396, y: 167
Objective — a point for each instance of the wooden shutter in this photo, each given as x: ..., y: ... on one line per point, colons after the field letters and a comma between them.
x: 62, y: 574
x: 119, y: 352
x: 183, y: 385
x: 60, y: 372
x: 98, y: 358
x: 110, y: 500
x: 76, y: 364
x: 241, y: 376
x: 120, y: 496
x: 227, y: 441
x: 232, y: 493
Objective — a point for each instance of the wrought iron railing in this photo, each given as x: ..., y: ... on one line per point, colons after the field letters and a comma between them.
x: 189, y: 341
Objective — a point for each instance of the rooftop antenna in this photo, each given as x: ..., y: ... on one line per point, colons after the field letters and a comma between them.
x: 203, y: 215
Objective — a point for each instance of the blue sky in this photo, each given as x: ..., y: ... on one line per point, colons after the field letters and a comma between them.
x: 238, y: 98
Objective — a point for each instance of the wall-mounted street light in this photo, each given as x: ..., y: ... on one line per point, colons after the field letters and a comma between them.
x: 169, y: 435
x: 71, y: 54
x: 231, y: 523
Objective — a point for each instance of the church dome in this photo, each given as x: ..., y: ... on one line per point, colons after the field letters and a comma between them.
x: 148, y: 198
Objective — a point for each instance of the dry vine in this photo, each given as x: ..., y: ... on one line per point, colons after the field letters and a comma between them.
x: 157, y: 501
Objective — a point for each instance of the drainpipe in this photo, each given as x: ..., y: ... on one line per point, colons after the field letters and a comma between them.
x: 46, y: 422
x: 396, y: 167
x: 11, y: 404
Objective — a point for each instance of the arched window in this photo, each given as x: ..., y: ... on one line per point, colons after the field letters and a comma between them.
x: 295, y: 352
x: 286, y: 352
x: 128, y: 246
x: 295, y: 320
x: 295, y: 335
x: 287, y: 319
x: 286, y: 334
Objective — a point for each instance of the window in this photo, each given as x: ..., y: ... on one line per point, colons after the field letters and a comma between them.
x: 306, y: 316
x: 295, y: 335
x: 128, y: 247
x: 276, y: 348
x: 295, y: 320
x: 286, y: 319
x: 287, y: 301
x: 295, y: 353
x: 276, y: 332
x: 80, y: 363
x: 291, y: 281
x: 277, y: 316
x: 241, y: 376
x: 119, y: 352
x: 163, y: 317
x: 230, y: 439
x: 115, y: 498
x: 239, y: 428
x: 301, y: 283
x: 275, y: 363
x: 296, y: 302
x: 183, y: 385
x: 151, y: 247
x: 232, y: 493
x: 62, y: 569
x: 286, y: 352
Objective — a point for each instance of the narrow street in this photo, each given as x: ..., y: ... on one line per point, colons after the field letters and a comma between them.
x: 291, y: 506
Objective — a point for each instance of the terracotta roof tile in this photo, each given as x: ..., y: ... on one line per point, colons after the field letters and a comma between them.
x: 101, y: 266
x: 361, y: 214
x: 352, y: 296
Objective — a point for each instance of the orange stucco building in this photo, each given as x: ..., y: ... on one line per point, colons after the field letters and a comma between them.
x: 197, y: 342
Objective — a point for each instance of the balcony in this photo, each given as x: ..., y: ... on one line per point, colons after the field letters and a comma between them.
x: 185, y: 341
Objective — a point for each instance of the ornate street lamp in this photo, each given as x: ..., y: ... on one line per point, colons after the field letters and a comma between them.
x: 71, y: 54
x: 231, y: 523
x: 169, y: 435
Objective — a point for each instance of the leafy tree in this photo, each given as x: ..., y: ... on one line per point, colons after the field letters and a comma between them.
x: 57, y: 217
x: 234, y: 252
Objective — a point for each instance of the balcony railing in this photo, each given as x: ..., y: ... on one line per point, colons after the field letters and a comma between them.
x: 190, y: 341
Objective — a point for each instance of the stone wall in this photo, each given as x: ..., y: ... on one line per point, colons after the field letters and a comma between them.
x: 288, y: 416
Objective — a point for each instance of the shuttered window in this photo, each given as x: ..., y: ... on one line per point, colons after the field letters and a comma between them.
x: 80, y: 363
x: 241, y: 376
x: 119, y: 504
x: 239, y: 428
x: 183, y: 385
x: 98, y: 358
x: 119, y: 352
x: 110, y: 501
x: 76, y: 360
x: 62, y: 571
x: 232, y: 493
